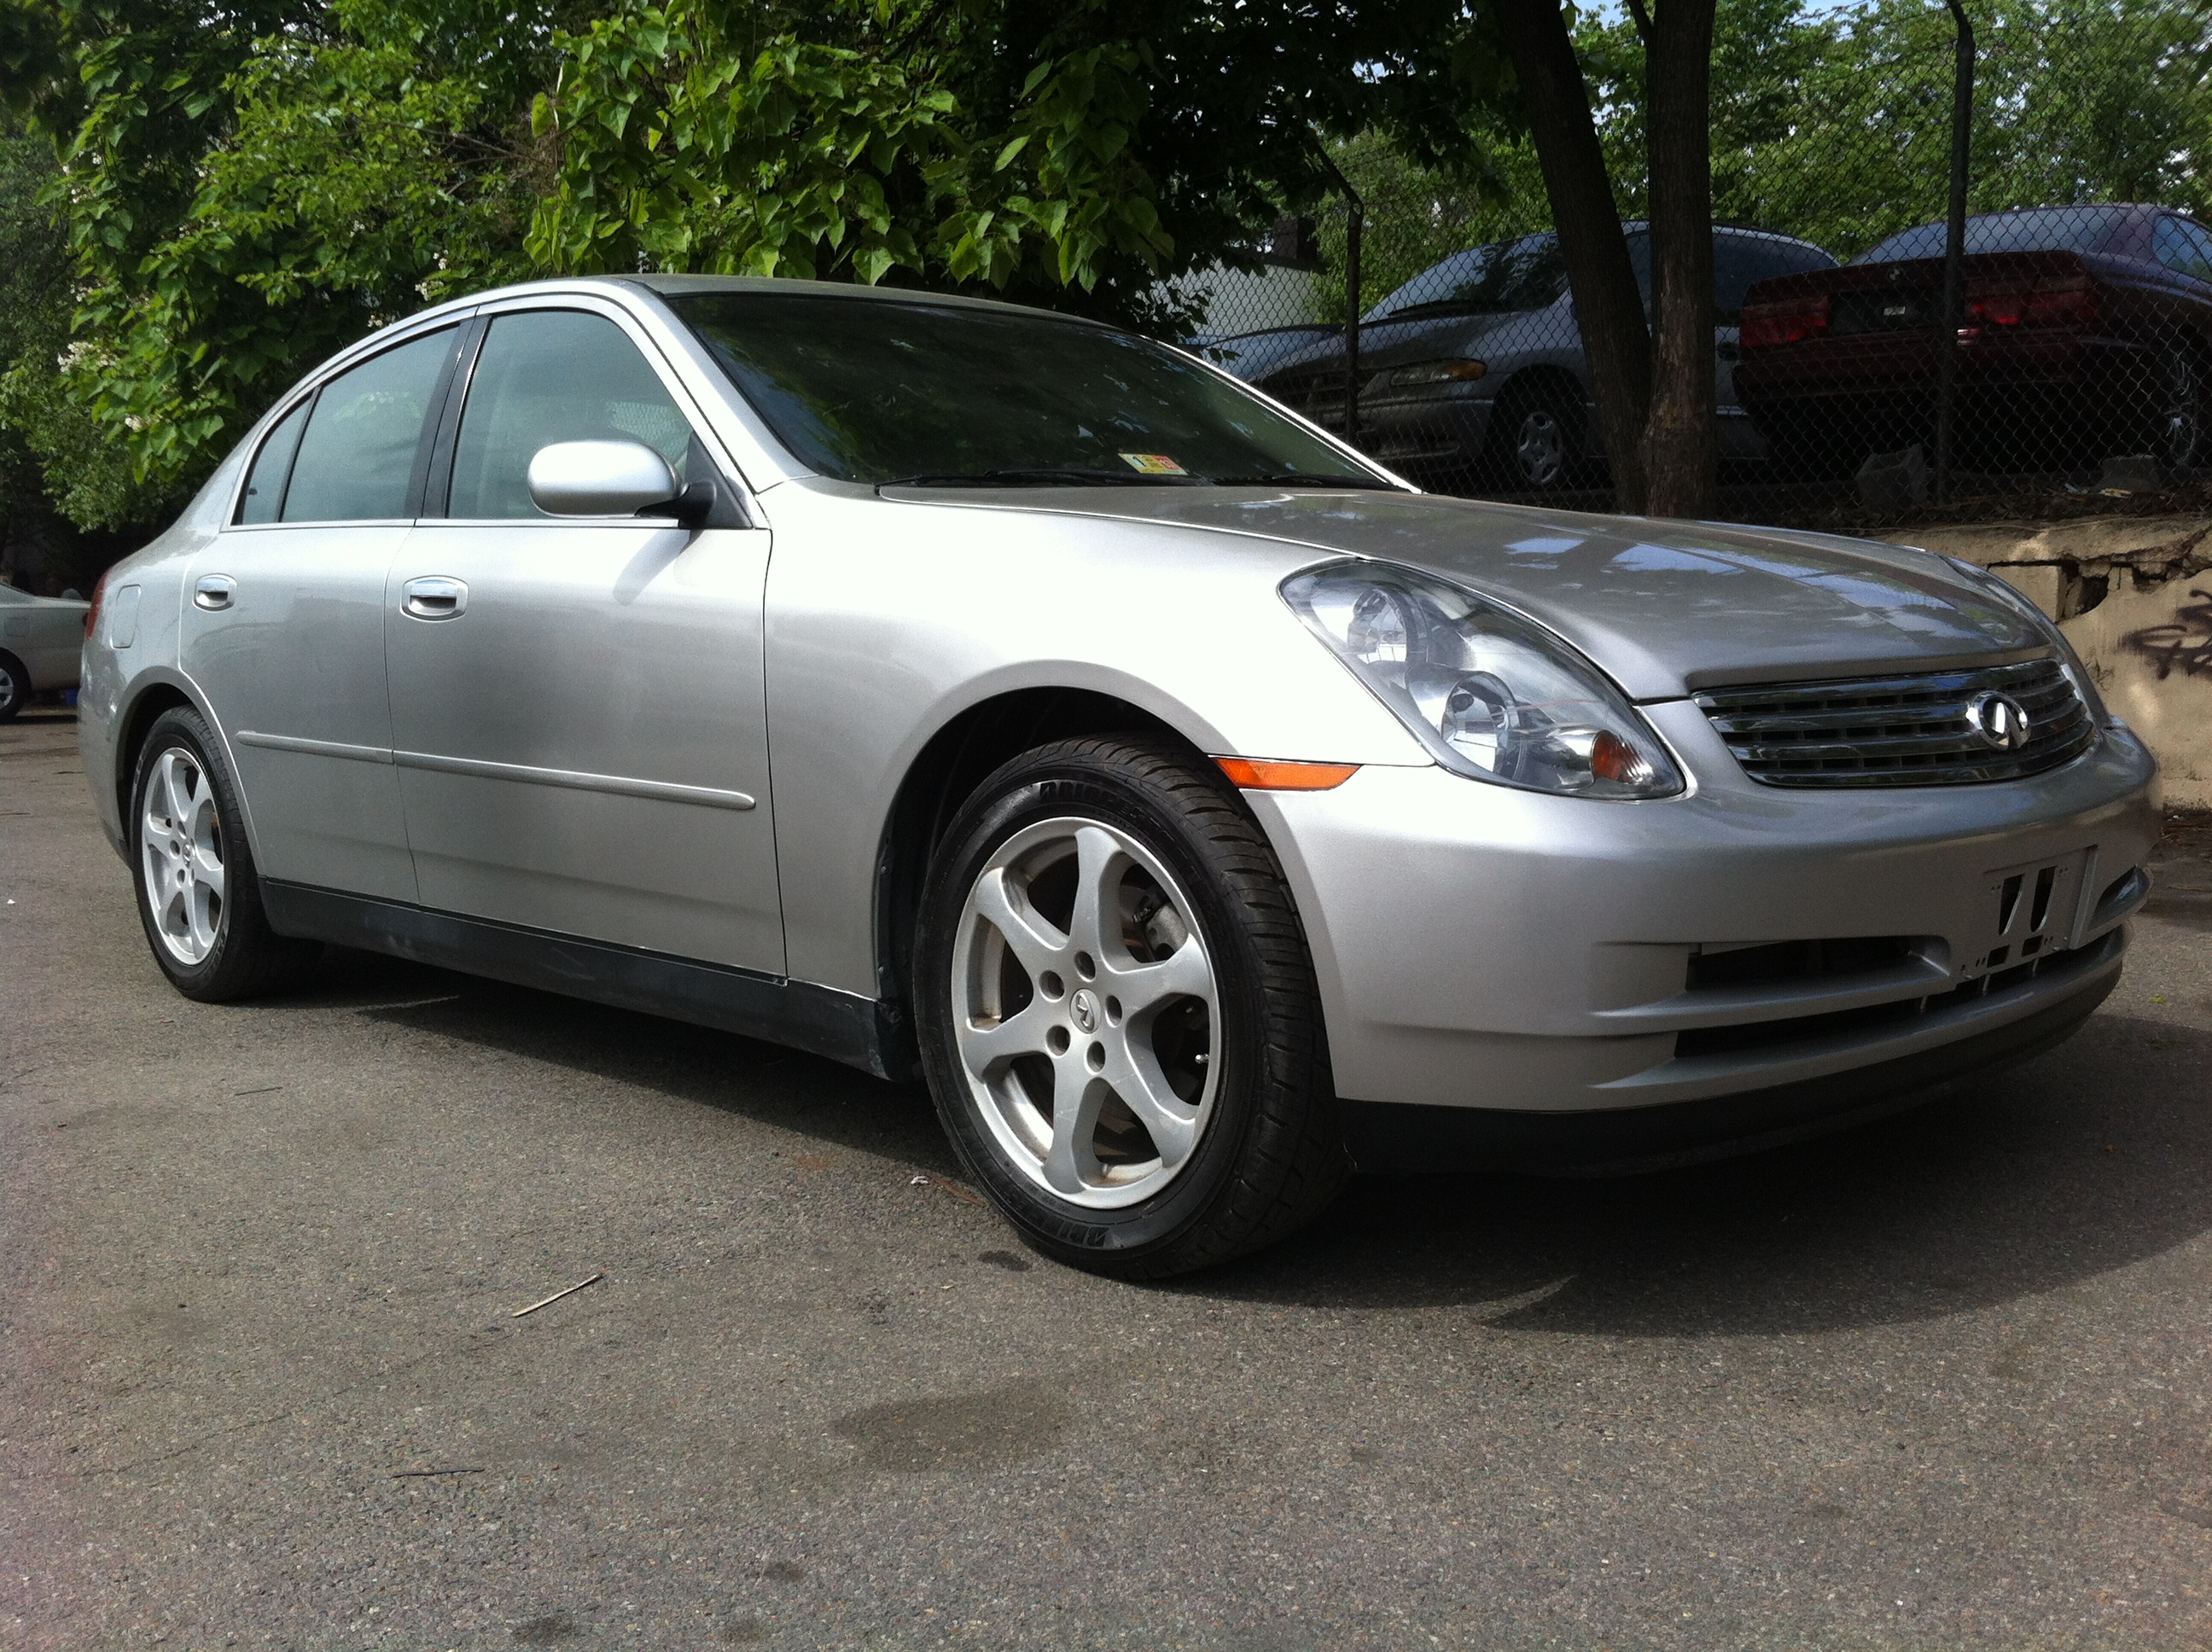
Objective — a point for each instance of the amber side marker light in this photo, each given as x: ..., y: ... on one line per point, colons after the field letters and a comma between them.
x: 1266, y: 774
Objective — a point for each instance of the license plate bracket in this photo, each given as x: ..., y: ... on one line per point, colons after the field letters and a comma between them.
x: 2028, y: 911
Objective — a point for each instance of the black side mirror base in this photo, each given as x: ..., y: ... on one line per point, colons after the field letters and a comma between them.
x: 690, y: 509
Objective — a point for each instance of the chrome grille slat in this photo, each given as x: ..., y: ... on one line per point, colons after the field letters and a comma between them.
x: 1899, y: 730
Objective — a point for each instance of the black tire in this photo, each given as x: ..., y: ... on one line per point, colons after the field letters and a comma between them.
x: 1270, y: 1155
x: 246, y: 958
x: 14, y: 686
x: 2179, y: 416
x: 1536, y: 438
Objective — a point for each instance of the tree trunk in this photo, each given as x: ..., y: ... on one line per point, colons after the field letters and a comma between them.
x: 1680, y: 454
x: 1616, y: 343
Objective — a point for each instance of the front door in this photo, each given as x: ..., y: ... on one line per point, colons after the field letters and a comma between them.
x: 283, y: 629
x: 577, y: 705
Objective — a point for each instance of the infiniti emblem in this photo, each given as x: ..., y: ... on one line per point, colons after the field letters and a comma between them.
x: 1085, y: 1010
x: 1999, y: 719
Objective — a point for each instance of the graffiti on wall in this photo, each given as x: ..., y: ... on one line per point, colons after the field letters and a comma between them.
x: 2182, y: 643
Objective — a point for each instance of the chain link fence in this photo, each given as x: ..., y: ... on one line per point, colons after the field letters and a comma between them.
x: 2078, y: 320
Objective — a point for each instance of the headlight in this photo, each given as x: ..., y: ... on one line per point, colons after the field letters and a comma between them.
x: 1492, y: 695
x: 2019, y: 604
x: 1457, y: 370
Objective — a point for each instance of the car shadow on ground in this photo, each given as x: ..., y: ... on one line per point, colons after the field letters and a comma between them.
x: 765, y: 1082
x: 2046, y: 1176
x: 2089, y: 1159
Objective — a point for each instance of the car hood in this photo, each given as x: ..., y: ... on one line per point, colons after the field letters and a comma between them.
x: 1666, y: 607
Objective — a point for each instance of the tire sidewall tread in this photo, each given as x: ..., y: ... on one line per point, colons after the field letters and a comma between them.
x: 1271, y: 1157
x: 248, y: 958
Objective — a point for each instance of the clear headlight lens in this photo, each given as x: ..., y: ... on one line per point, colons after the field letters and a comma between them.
x: 1491, y: 695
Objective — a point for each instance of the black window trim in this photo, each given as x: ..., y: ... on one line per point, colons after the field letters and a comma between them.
x: 733, y: 508
x: 314, y: 393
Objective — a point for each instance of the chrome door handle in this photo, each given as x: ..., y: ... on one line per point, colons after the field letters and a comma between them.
x: 434, y: 596
x: 214, y: 592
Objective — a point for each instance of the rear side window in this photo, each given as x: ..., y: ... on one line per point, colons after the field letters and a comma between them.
x: 272, y: 468
x: 1739, y: 260
x: 556, y: 375
x: 2180, y: 244
x: 357, y: 455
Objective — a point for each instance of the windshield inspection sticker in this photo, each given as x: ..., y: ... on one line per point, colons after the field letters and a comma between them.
x: 1153, y: 464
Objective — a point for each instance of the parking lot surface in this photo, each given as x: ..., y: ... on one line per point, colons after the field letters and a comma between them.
x: 1942, y: 1381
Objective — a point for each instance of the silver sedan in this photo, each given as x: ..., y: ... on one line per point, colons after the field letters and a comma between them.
x: 961, y: 691
x: 41, y: 641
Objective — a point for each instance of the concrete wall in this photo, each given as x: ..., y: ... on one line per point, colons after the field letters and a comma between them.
x: 2134, y: 595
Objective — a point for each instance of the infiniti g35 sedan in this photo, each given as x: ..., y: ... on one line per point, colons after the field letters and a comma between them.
x: 966, y: 692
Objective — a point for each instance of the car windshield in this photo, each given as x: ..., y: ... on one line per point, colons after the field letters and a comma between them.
x: 1523, y: 275
x: 895, y: 390
x: 2044, y: 230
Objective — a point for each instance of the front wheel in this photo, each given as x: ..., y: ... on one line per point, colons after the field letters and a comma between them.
x: 1118, y: 1015
x: 198, y: 896
x: 1533, y: 444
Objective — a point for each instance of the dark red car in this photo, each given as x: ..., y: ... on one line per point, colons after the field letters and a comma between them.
x: 2087, y: 331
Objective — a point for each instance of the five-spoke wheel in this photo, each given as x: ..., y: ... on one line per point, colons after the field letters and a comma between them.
x: 181, y: 842
x: 1117, y: 1013
x: 197, y: 892
x: 1084, y: 1011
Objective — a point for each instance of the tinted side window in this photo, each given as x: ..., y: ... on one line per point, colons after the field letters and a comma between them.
x: 555, y: 376
x: 272, y: 467
x: 2174, y: 245
x: 1739, y: 260
x: 358, y: 454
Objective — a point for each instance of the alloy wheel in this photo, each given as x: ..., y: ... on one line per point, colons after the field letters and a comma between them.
x: 2181, y: 420
x: 1540, y: 447
x: 1085, y: 1009
x: 181, y: 842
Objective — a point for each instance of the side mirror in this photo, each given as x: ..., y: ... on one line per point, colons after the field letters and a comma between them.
x: 600, y: 478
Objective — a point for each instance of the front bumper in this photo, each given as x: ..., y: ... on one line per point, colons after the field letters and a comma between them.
x: 1480, y: 947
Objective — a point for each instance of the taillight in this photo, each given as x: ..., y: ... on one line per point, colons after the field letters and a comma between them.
x: 2053, y: 301
x: 92, y: 614
x: 1783, y: 322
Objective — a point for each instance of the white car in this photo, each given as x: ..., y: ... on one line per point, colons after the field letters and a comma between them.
x: 41, y: 640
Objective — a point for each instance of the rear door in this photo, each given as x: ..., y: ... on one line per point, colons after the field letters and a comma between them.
x: 282, y: 628
x: 578, y: 705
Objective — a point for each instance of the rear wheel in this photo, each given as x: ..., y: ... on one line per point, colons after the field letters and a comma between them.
x: 2179, y: 435
x: 198, y: 896
x: 1118, y: 1015
x: 14, y: 686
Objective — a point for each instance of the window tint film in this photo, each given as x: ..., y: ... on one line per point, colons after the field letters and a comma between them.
x: 358, y: 453
x: 555, y: 376
x: 2041, y: 229
x: 1739, y: 260
x: 2179, y: 245
x: 873, y: 391
x: 264, y: 483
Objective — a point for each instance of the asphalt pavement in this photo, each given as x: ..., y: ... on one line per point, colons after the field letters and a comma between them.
x: 1940, y: 1382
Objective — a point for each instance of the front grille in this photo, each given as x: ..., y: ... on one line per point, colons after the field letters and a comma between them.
x: 1777, y: 963
x: 1809, y: 1029
x: 1317, y: 393
x: 1898, y: 730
